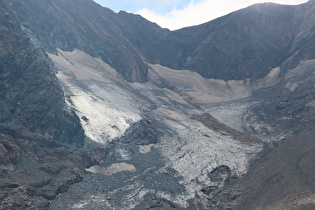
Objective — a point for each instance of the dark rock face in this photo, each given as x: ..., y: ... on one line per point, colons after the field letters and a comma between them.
x: 290, y: 105
x: 304, y: 38
x: 83, y: 25
x: 244, y: 44
x: 33, y: 171
x: 31, y: 98
x: 283, y: 178
x: 36, y: 126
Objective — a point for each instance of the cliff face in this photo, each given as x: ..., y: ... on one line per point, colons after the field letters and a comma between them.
x: 83, y: 25
x: 31, y: 97
x: 244, y: 44
x: 302, y: 47
x: 36, y: 126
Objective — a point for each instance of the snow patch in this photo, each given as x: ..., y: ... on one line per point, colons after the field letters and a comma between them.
x: 301, y: 69
x: 144, y: 149
x: 113, y: 169
x: 270, y: 80
x: 198, y: 89
x: 106, y: 110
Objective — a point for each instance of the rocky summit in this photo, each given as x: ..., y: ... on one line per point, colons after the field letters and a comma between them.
x: 105, y: 110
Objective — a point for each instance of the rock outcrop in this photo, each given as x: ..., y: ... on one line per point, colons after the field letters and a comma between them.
x: 38, y: 131
x: 32, y: 100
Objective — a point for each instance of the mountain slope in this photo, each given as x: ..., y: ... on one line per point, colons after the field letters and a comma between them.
x: 174, y: 140
x: 303, y: 44
x: 245, y: 44
x: 31, y: 97
x: 56, y: 24
x: 40, y: 135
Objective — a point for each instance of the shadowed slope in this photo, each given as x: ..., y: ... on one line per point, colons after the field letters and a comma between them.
x: 31, y: 98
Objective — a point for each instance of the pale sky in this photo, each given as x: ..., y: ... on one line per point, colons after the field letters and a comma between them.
x: 175, y: 14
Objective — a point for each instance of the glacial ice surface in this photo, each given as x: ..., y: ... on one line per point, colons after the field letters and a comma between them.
x: 108, y: 105
x: 105, y: 109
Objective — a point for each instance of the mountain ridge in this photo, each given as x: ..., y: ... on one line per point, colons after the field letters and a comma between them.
x: 244, y: 44
x: 93, y: 31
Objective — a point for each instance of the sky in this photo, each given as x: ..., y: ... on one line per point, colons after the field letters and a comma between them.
x: 176, y: 14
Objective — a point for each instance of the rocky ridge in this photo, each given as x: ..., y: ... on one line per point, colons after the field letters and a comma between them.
x: 244, y: 44
x: 94, y: 31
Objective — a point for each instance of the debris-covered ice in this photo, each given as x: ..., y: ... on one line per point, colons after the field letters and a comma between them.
x: 108, y: 106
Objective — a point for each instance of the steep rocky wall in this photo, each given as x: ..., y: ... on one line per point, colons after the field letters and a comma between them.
x: 244, y: 44
x: 82, y: 25
x: 31, y: 97
x: 36, y: 126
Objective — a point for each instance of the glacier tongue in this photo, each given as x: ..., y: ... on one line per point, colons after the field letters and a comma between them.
x: 104, y: 115
x: 105, y: 109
